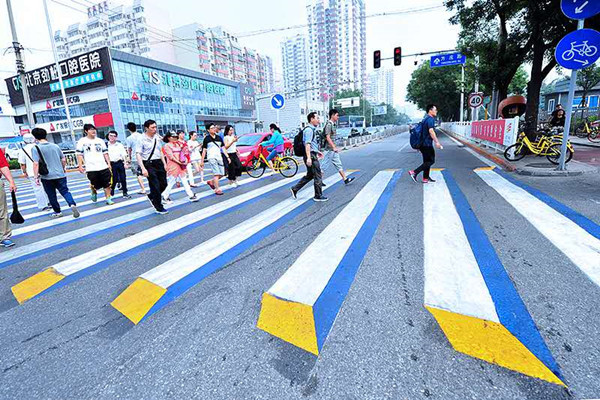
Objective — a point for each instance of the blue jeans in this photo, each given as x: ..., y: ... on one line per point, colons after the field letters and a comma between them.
x: 272, y: 154
x: 60, y: 184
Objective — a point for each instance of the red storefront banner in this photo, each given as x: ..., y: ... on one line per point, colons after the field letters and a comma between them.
x: 492, y: 131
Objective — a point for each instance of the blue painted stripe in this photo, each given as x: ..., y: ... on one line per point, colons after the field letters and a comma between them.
x: 511, y: 310
x: 122, y: 256
x: 108, y: 209
x: 585, y: 223
x: 183, y: 285
x: 328, y: 305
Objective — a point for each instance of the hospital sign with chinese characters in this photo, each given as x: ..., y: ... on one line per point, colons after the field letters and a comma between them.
x: 86, y: 71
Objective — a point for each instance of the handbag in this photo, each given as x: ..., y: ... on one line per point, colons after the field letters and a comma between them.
x: 43, y: 167
x: 15, y: 217
x: 184, y: 155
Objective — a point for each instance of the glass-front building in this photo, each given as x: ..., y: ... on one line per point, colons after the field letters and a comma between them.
x: 176, y: 98
x: 110, y: 88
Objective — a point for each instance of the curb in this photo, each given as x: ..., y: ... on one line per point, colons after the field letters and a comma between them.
x: 584, y: 169
x: 500, y: 161
x: 590, y: 145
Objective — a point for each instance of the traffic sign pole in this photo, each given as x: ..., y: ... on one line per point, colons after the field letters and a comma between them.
x: 563, y: 149
x: 462, y: 94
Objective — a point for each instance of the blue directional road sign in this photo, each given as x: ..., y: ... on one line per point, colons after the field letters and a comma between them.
x: 580, y: 9
x: 445, y: 60
x: 277, y: 101
x: 578, y: 49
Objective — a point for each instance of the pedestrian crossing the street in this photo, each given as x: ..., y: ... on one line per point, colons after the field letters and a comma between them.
x: 468, y: 293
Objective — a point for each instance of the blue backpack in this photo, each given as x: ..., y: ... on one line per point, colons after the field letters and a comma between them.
x: 416, y: 135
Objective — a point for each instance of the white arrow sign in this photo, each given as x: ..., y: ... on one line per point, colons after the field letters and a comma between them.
x: 579, y: 9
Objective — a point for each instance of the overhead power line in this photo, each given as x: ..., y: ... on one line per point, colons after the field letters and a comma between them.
x: 300, y: 26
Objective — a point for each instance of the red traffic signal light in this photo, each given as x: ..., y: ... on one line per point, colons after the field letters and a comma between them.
x: 397, y: 55
x: 377, y: 59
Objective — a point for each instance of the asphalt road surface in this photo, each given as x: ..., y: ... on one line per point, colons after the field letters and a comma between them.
x: 200, y: 337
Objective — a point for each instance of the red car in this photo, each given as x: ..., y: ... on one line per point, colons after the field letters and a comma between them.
x: 249, y: 144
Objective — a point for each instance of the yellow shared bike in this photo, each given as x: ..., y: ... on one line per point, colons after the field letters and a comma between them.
x: 286, y: 166
x: 549, y: 146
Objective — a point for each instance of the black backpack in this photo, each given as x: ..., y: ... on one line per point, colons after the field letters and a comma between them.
x: 299, y: 149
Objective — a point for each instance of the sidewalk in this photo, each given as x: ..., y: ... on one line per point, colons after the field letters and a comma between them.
x: 530, y: 165
x: 577, y: 141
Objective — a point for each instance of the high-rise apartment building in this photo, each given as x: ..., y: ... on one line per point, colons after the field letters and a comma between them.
x: 336, y: 45
x: 219, y: 53
x: 294, y: 55
x: 126, y: 28
x: 380, y: 86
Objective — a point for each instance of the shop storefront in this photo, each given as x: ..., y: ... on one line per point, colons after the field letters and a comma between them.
x: 109, y: 88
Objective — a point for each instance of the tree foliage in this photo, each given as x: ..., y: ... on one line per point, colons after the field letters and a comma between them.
x: 440, y: 86
x: 587, y: 79
x: 518, y: 85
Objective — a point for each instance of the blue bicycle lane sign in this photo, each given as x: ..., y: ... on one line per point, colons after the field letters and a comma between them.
x: 580, y: 9
x: 578, y: 49
x: 277, y: 101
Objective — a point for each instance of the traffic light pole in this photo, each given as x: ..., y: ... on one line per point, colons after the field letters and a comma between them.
x: 20, y: 66
x: 462, y: 93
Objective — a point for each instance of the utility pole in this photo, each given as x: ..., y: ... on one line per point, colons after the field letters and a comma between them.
x: 475, y: 111
x: 60, y: 80
x: 20, y: 65
x: 462, y: 93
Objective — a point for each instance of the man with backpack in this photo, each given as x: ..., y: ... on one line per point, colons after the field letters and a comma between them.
x: 422, y: 138
x: 310, y: 153
x: 49, y: 166
x: 331, y: 154
x: 26, y: 161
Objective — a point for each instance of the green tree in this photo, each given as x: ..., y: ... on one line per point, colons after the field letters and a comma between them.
x: 391, y: 117
x: 439, y: 86
x: 587, y: 79
x: 518, y: 85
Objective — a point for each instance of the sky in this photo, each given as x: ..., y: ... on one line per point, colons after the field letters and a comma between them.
x: 414, y: 32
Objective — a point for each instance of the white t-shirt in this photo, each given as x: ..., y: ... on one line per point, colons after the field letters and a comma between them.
x: 233, y: 148
x: 132, y: 140
x: 93, y: 151
x: 24, y: 159
x: 116, y: 152
x: 194, y: 147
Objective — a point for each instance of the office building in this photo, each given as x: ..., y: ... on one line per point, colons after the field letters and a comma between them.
x: 380, y: 86
x: 337, y: 50
x: 130, y: 28
x: 220, y: 53
x: 294, y: 55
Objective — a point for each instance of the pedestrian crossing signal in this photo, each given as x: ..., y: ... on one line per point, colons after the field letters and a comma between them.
x: 397, y: 55
x: 377, y: 59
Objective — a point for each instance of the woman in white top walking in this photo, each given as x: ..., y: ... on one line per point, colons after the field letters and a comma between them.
x: 176, y: 166
x: 235, y: 165
x: 195, y: 153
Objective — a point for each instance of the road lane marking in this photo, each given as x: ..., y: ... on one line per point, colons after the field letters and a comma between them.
x: 572, y: 233
x: 27, y: 229
x: 469, y: 292
x: 302, y: 305
x: 101, y: 257
x: 25, y: 252
x: 184, y: 271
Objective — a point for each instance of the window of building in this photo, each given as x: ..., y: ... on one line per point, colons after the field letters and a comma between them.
x: 551, y: 103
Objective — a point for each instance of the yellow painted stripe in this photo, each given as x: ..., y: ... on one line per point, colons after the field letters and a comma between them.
x: 484, y: 169
x: 438, y: 169
x: 492, y: 342
x: 349, y: 171
x: 138, y: 299
x: 289, y: 321
x: 31, y: 287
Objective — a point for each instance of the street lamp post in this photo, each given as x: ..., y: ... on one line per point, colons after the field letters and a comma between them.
x: 58, y: 72
x: 20, y: 65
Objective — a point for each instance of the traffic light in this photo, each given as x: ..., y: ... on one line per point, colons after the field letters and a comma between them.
x: 377, y: 59
x: 397, y: 55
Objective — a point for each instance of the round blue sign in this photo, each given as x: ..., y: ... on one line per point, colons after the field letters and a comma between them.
x: 580, y: 9
x: 277, y: 101
x: 578, y: 49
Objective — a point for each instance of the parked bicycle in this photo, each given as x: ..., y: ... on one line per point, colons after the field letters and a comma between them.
x: 588, y: 129
x: 285, y: 165
x: 549, y: 146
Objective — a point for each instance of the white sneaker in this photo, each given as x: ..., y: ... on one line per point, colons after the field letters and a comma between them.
x: 167, y: 201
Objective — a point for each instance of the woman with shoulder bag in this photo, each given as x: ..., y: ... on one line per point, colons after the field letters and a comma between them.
x: 177, y: 162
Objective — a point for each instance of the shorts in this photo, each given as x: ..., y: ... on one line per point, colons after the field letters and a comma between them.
x: 100, y: 179
x: 331, y: 157
x: 135, y: 169
x: 216, y: 166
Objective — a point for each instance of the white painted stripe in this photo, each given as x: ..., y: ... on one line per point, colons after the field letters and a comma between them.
x: 482, y: 158
x: 578, y: 245
x: 97, y: 227
x: 453, y: 280
x: 86, y: 260
x: 404, y: 146
x: 181, y: 266
x: 305, y: 280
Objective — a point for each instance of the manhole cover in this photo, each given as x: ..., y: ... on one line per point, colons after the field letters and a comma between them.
x: 541, y: 165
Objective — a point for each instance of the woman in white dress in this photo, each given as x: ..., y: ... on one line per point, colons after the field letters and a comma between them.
x: 195, y: 154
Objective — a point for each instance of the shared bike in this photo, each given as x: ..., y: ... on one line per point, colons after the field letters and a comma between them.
x: 285, y: 165
x: 549, y: 146
x: 588, y: 129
